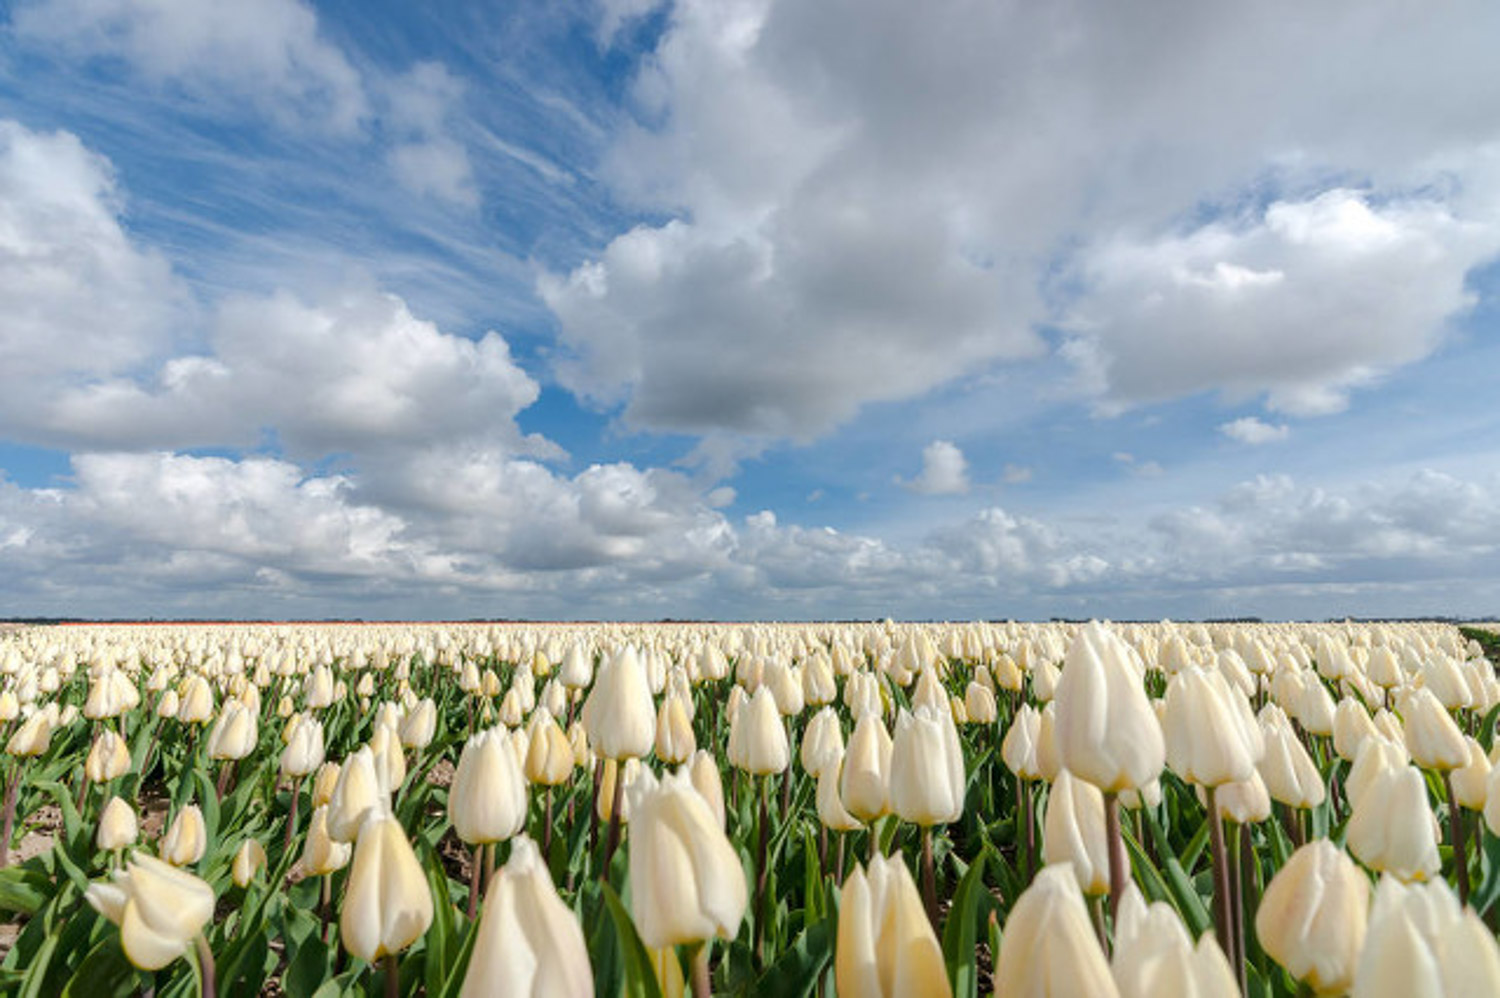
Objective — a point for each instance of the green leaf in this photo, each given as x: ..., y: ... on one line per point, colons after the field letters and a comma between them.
x: 105, y: 971
x: 1184, y: 895
x: 23, y: 890
x: 309, y: 968
x: 971, y: 902
x: 796, y: 972
x: 640, y: 976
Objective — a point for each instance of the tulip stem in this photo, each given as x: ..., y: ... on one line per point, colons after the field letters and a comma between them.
x: 929, y: 879
x: 616, y: 798
x: 226, y: 770
x: 205, y: 966
x: 761, y: 874
x: 326, y: 908
x: 291, y: 819
x: 1096, y: 915
x: 478, y: 864
x: 1236, y: 902
x: 1222, y: 926
x: 594, y: 807
x: 392, y: 976
x: 699, y: 975
x: 822, y: 847
x: 1456, y: 827
x: 1119, y: 870
x: 547, y: 823
x: 83, y: 794
x: 1024, y: 814
x: 838, y: 861
x: 12, y: 785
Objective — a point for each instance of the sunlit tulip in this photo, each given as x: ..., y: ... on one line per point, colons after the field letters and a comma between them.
x: 618, y: 714
x: 1393, y: 829
x: 1019, y: 746
x: 159, y: 910
x: 321, y: 853
x: 356, y: 794
x: 1049, y: 948
x: 704, y: 775
x: 186, y: 838
x: 1471, y: 780
x: 530, y: 943
x: 927, y: 768
x: 1376, y: 756
x: 169, y: 704
x: 248, y: 859
x: 865, y: 782
x: 686, y: 880
x: 324, y: 783
x: 117, y: 826
x: 886, y: 947
x: 419, y: 724
x: 387, y: 903
x: 1107, y: 732
x: 1073, y: 832
x: 487, y: 802
x: 979, y: 704
x: 32, y: 738
x: 1311, y: 919
x: 1289, y: 773
x: 1211, y: 736
x: 822, y: 742
x: 304, y: 746
x: 1351, y: 726
x: 1242, y: 803
x: 197, y: 705
x: 1432, y: 737
x: 831, y: 810
x: 1154, y: 956
x: 108, y: 758
x: 757, y: 737
x: 674, y: 732
x: 549, y: 757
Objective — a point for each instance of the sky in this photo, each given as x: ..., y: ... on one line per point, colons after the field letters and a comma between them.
x: 745, y: 309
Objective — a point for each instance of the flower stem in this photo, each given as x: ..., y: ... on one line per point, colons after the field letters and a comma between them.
x: 291, y: 819
x: 929, y: 878
x: 11, y: 787
x: 1222, y: 924
x: 474, y: 880
x: 1119, y: 870
x: 392, y: 976
x: 614, y: 818
x: 700, y: 979
x: 761, y: 874
x: 205, y: 966
x: 1456, y: 828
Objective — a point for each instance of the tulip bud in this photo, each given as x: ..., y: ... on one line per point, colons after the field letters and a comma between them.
x: 979, y: 704
x: 1393, y: 829
x: 169, y: 704
x: 549, y: 757
x: 529, y: 942
x: 321, y: 853
x: 1376, y: 755
x: 1211, y: 736
x: 757, y: 736
x: 390, y: 761
x: 618, y: 713
x: 1049, y: 946
x: 864, y: 783
x: 357, y: 793
x: 1289, y: 774
x: 1471, y: 781
x: 324, y: 783
x: 197, y: 704
x: 32, y: 738
x: 822, y: 742
x: 387, y: 904
x: 249, y: 858
x: 234, y: 734
x: 1073, y: 832
x: 1351, y: 726
x: 186, y: 838
x: 487, y: 802
x: 304, y: 746
x: 1107, y: 732
x: 1432, y: 737
x: 704, y: 774
x: 1311, y: 919
x: 1154, y: 956
x: 117, y: 826
x: 159, y: 909
x: 1019, y: 746
x: 674, y: 732
x: 686, y: 880
x: 831, y: 811
x: 1243, y: 803
x: 886, y: 947
x: 927, y: 768
x: 419, y: 725
x: 108, y: 758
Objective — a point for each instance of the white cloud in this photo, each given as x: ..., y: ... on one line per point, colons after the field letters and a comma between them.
x: 427, y: 158
x: 1017, y: 474
x: 1301, y: 303
x: 81, y: 299
x: 1253, y: 431
x: 945, y: 470
x: 269, y: 51
x: 871, y: 199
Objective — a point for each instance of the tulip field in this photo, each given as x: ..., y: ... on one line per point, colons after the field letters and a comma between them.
x: 876, y: 809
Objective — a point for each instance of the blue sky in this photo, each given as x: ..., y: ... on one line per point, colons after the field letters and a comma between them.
x: 748, y: 308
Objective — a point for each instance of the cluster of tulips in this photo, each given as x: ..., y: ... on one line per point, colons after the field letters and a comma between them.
x: 656, y: 810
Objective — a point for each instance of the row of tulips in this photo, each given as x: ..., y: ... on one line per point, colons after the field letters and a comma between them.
x: 1132, y: 810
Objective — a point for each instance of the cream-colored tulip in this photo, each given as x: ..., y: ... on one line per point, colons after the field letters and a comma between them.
x: 979, y: 704
x: 1432, y: 737
x: 159, y: 910
x: 1471, y: 780
x: 703, y: 773
x: 865, y: 781
x: 1212, y: 738
x: 549, y: 757
x: 831, y: 810
x: 1073, y: 832
x: 674, y: 731
x: 32, y: 738
x: 304, y: 746
x: 248, y: 859
x: 357, y: 794
x: 686, y: 880
x: 186, y: 838
x: 822, y: 742
x: 197, y: 705
x: 118, y: 827
x: 235, y: 732
x: 1289, y: 773
x: 1312, y: 917
x: 927, y: 781
x: 387, y: 903
x: 487, y: 802
x: 419, y: 725
x: 1107, y: 732
x: 530, y: 944
x: 1049, y: 948
x: 1393, y: 829
x: 618, y: 714
x: 322, y: 854
x: 1019, y: 746
x: 325, y: 781
x: 108, y: 758
x: 757, y: 736
x: 886, y: 947
x: 1154, y: 956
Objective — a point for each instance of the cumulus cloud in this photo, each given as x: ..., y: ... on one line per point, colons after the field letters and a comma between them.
x: 869, y: 199
x: 945, y: 471
x: 269, y: 52
x: 1253, y: 431
x: 427, y: 158
x: 1301, y: 303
